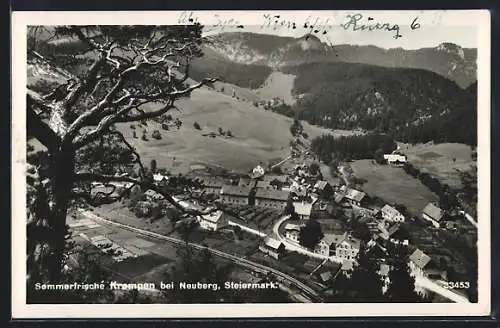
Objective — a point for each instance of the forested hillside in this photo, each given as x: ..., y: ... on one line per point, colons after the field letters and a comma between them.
x: 212, y: 64
x: 413, y: 105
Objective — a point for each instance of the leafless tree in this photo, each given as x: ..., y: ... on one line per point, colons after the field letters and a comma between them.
x: 119, y: 74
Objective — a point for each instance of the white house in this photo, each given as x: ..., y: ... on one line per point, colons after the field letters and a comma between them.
x: 395, y: 159
x: 158, y: 177
x: 303, y: 209
x: 292, y: 232
x: 258, y: 171
x: 391, y: 214
x: 326, y: 245
x: 433, y: 214
x: 348, y: 248
x: 214, y: 221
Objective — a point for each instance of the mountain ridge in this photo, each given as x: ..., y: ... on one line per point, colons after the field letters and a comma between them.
x: 449, y: 60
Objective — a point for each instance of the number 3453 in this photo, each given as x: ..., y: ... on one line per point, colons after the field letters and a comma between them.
x: 457, y: 284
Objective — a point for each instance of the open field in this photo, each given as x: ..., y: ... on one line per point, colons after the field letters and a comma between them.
x: 259, y: 135
x: 438, y: 160
x: 279, y: 85
x: 393, y: 185
x: 120, y: 213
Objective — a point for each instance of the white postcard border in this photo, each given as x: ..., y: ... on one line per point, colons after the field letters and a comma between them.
x: 20, y: 20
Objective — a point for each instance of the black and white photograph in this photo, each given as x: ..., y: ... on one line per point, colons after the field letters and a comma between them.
x: 211, y: 160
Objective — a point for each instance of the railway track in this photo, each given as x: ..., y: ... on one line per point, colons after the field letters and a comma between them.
x: 311, y: 294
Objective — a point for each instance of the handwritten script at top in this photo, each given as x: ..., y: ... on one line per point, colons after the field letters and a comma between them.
x: 311, y: 25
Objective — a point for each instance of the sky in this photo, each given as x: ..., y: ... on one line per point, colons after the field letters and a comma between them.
x: 466, y: 28
x: 464, y: 36
x: 417, y: 29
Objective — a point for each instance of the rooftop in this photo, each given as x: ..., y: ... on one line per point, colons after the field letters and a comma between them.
x: 213, y: 217
x: 303, y: 208
x: 242, y: 191
x: 271, y: 177
x: 333, y: 238
x: 420, y: 258
x: 272, y: 194
x: 321, y: 185
x: 292, y: 226
x: 272, y: 243
x: 433, y: 211
x: 244, y: 182
x: 390, y: 211
x: 354, y: 194
x: 152, y: 193
x: 211, y: 181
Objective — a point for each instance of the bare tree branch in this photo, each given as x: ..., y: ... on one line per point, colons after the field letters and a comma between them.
x: 170, y: 105
x: 131, y: 148
x: 103, y: 126
x: 82, y: 87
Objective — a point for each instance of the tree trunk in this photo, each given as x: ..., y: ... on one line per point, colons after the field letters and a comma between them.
x: 64, y: 164
x: 46, y: 227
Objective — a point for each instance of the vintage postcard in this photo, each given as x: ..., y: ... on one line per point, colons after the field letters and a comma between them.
x: 250, y: 163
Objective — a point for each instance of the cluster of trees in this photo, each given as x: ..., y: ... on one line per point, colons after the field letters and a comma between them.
x: 329, y: 147
x: 278, y: 106
x: 310, y: 234
x: 246, y: 76
x: 296, y: 129
x: 447, y: 197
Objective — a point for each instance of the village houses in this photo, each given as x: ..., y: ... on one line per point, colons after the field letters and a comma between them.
x: 272, y: 247
x: 391, y: 214
x: 352, y: 196
x: 433, y: 214
x: 271, y: 198
x: 234, y: 195
x: 214, y: 221
x: 395, y: 159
